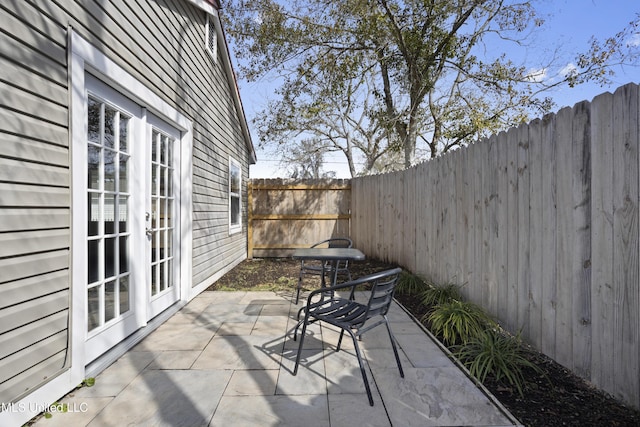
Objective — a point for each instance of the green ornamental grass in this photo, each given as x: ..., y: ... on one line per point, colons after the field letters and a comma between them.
x: 497, y: 354
x: 440, y: 294
x: 457, y: 321
x: 410, y: 284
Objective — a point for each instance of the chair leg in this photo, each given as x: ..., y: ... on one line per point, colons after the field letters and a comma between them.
x: 295, y: 331
x: 304, y: 330
x: 362, y: 370
x: 340, y: 340
x: 393, y: 344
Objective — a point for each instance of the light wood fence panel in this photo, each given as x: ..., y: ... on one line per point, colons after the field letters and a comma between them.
x: 289, y: 214
x: 540, y: 224
x: 626, y: 294
x: 602, y: 240
x: 581, y: 244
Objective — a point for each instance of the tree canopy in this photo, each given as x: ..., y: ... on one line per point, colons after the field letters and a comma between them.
x: 396, y: 81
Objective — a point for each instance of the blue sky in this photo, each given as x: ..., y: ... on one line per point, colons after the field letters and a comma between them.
x: 569, y: 26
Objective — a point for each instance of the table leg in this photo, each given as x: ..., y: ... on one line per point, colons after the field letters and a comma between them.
x: 334, y: 265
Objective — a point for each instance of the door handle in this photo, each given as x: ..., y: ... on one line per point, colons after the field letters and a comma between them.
x: 148, y: 229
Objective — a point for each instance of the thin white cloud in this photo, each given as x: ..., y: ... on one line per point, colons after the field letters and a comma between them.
x: 634, y: 40
x: 568, y: 69
x: 538, y: 75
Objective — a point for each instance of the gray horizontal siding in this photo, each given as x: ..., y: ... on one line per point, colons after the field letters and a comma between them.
x: 22, y: 76
x: 31, y: 104
x: 28, y: 242
x: 223, y: 259
x: 30, y: 127
x: 32, y: 378
x: 32, y: 265
x: 34, y: 199
x: 35, y: 196
x: 18, y: 147
x: 33, y: 219
x: 35, y: 56
x: 18, y: 291
x: 33, y: 173
x: 31, y: 333
x: 161, y: 43
x: 21, y: 314
x: 18, y: 362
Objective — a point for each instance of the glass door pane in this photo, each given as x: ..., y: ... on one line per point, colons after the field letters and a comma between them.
x: 162, y: 219
x: 108, y: 214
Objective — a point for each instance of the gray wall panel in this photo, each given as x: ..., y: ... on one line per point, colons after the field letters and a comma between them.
x: 28, y: 242
x: 21, y: 361
x: 33, y: 173
x: 28, y: 380
x: 18, y: 147
x: 37, y: 196
x: 25, y: 336
x: 27, y: 312
x: 22, y: 290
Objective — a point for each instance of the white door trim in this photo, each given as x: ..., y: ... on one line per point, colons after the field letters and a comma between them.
x: 84, y: 57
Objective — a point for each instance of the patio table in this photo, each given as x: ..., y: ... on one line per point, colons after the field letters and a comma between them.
x: 333, y: 255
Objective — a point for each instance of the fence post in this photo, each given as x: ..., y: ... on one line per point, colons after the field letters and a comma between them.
x: 250, y: 220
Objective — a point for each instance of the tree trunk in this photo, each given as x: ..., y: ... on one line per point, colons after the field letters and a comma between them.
x: 409, y: 141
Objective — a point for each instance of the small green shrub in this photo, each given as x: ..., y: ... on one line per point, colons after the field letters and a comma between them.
x: 456, y: 322
x: 497, y: 354
x: 440, y: 294
x: 410, y: 283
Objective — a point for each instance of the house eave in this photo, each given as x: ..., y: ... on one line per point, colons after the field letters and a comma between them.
x: 209, y: 6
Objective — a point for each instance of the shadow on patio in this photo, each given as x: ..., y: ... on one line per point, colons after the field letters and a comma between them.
x: 226, y: 359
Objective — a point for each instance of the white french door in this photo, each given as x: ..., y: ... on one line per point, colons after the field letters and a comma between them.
x: 132, y: 190
x: 160, y: 215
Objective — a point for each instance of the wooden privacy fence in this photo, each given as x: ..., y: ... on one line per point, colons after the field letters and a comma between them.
x: 540, y: 224
x: 288, y: 214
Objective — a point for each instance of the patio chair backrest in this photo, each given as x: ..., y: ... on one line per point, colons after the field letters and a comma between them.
x: 381, y: 296
x: 335, y: 242
x: 352, y: 316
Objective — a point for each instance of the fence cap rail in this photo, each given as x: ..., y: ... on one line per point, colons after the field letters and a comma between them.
x: 297, y: 184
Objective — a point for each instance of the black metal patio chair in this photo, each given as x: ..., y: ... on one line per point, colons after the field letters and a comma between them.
x: 353, y: 317
x: 320, y: 268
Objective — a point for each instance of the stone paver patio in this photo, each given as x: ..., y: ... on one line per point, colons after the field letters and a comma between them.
x: 226, y: 359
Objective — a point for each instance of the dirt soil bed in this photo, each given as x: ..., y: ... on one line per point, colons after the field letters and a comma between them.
x: 555, y: 398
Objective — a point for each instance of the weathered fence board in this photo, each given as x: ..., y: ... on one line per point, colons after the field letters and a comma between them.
x: 602, y: 241
x: 564, y: 226
x: 548, y: 235
x: 510, y: 317
x: 536, y: 171
x: 524, y: 231
x: 581, y: 262
x: 502, y: 250
x: 625, y: 250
